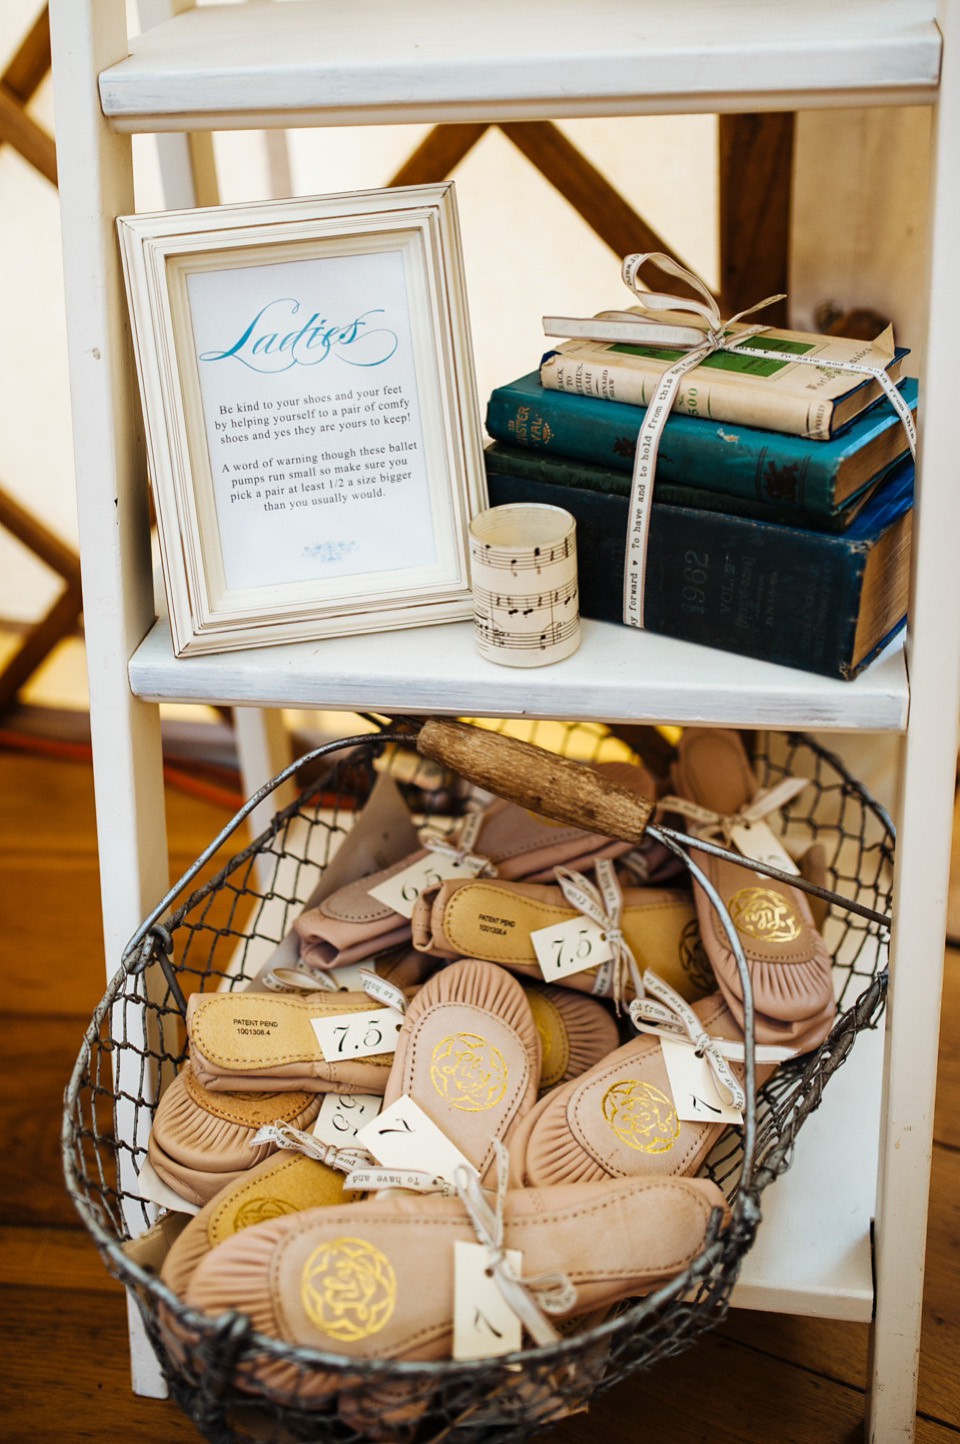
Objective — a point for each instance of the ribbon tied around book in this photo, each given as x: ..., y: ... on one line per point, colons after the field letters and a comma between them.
x: 629, y: 328
x: 529, y: 1298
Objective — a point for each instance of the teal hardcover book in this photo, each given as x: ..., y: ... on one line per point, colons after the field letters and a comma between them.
x: 819, y: 477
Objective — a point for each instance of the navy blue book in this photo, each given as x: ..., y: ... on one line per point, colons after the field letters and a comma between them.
x: 772, y: 467
x: 822, y: 601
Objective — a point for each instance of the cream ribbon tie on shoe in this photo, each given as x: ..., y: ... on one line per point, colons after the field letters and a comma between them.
x: 284, y: 1135
x: 295, y: 980
x: 604, y: 907
x: 461, y: 849
x: 659, y: 1010
x: 529, y: 1298
x: 363, y: 1175
x: 719, y: 826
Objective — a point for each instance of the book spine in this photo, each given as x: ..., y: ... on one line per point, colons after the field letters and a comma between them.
x: 744, y: 464
x: 565, y: 471
x: 603, y: 378
x: 734, y: 583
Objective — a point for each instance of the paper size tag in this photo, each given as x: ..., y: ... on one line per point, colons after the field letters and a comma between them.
x: 358, y: 1035
x: 342, y: 1115
x: 484, y: 1324
x: 569, y: 947
x: 401, y: 891
x: 755, y: 840
x: 402, y: 1136
x: 694, y: 1092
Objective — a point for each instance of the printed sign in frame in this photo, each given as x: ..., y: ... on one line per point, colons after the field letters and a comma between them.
x: 311, y: 417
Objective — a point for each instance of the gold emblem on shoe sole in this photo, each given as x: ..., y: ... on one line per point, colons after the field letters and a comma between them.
x: 258, y: 1210
x: 349, y: 1289
x: 759, y: 912
x: 468, y: 1072
x: 641, y: 1116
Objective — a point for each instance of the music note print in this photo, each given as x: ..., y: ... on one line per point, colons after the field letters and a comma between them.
x: 524, y: 566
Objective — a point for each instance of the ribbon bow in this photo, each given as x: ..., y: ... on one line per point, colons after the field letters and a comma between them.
x: 628, y: 327
x: 661, y: 1010
x: 604, y: 907
x: 710, y: 824
x: 284, y: 1135
x: 359, y: 1165
x: 299, y: 980
x: 461, y: 851
x: 529, y: 1299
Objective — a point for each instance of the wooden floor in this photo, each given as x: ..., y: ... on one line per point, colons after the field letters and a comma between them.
x: 760, y: 1379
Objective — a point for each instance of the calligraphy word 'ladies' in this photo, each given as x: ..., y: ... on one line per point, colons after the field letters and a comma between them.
x: 266, y: 347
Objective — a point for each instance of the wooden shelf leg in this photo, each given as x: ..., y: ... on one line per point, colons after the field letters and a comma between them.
x: 926, y: 816
x: 96, y: 175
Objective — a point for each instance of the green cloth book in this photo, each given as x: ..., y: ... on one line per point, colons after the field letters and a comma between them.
x: 736, y: 386
x: 819, y: 478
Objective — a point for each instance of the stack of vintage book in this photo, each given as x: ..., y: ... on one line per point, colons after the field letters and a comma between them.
x: 780, y: 525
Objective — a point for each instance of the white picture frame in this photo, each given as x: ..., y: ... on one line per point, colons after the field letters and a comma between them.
x: 310, y: 408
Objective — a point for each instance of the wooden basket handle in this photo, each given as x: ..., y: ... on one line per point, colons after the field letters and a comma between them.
x: 539, y: 780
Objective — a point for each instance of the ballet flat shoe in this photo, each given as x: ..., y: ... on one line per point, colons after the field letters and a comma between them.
x: 790, y: 967
x: 468, y: 1054
x: 200, y: 1140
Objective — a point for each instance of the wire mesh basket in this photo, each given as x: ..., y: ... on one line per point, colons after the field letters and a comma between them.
x: 219, y: 936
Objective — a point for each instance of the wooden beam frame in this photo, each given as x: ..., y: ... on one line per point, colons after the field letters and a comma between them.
x: 60, y: 618
x: 18, y: 83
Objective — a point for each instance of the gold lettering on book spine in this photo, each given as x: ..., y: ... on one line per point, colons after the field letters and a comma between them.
x: 762, y: 913
x: 348, y: 1289
x: 641, y: 1116
x: 468, y: 1072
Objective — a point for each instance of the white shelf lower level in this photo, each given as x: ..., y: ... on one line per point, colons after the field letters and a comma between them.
x: 618, y: 675
x: 813, y: 1253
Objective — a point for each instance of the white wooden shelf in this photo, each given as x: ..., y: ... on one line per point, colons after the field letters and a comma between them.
x: 312, y: 63
x: 618, y: 675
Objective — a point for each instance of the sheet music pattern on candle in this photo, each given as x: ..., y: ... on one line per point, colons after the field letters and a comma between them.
x: 526, y: 604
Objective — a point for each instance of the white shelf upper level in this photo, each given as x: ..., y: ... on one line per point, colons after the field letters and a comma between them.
x: 310, y: 62
x: 618, y: 675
